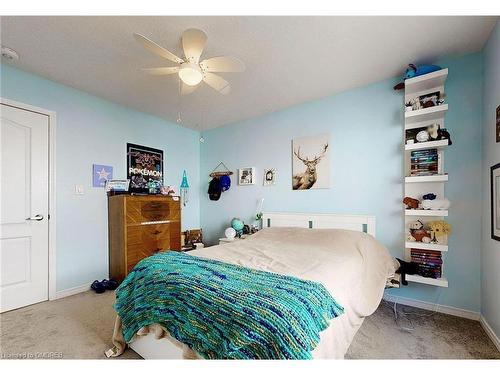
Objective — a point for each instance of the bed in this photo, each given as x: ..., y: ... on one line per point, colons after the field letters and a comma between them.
x: 338, y: 251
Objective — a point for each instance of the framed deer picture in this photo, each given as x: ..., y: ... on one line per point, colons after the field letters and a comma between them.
x: 311, y: 162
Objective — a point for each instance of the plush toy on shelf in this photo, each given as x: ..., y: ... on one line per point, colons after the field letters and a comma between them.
x: 411, y: 203
x: 435, y: 204
x: 414, y: 71
x: 418, y: 232
x: 440, y: 230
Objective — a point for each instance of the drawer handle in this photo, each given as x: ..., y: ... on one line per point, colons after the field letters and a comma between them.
x: 157, y: 232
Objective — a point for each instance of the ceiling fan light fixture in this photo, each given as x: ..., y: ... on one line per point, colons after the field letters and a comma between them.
x: 190, y: 74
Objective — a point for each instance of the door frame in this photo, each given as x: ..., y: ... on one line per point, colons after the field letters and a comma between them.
x: 52, y: 187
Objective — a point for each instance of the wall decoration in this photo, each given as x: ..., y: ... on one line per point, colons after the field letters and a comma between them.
x: 144, y: 169
x: 311, y: 162
x: 498, y: 124
x: 269, y: 177
x: 246, y: 176
x: 184, y: 189
x: 495, y: 201
x: 100, y: 174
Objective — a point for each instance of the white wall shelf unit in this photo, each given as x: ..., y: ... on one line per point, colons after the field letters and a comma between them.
x: 415, y: 186
x: 426, y: 82
x: 428, y: 280
x: 435, y: 213
x: 426, y: 145
x: 425, y: 246
x: 422, y: 179
x: 414, y: 118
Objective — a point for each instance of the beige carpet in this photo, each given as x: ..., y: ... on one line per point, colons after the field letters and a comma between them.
x: 80, y: 326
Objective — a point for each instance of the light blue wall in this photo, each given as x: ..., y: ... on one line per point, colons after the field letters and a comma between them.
x: 366, y: 127
x: 490, y: 271
x: 92, y: 130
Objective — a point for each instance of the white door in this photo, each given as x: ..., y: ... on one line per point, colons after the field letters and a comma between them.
x: 24, y: 207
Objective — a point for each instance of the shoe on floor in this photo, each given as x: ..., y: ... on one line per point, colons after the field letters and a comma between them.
x: 98, y: 287
x: 110, y: 284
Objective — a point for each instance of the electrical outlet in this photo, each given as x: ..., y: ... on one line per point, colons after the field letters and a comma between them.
x: 79, y: 190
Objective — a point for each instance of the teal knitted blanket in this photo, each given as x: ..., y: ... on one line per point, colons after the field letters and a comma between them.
x: 225, y: 311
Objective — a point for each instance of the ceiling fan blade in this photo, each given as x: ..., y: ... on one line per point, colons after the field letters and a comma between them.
x: 187, y: 89
x: 217, y: 83
x: 223, y: 64
x: 161, y: 71
x: 155, y: 48
x: 193, y: 42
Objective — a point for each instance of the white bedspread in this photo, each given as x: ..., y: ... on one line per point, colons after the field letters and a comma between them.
x: 353, y: 266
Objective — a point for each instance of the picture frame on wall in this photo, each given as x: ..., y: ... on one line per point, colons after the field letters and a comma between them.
x: 269, y: 177
x: 246, y: 176
x: 144, y: 167
x: 495, y: 201
x: 311, y: 162
x: 498, y: 124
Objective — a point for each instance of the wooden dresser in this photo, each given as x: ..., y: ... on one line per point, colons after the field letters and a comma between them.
x: 140, y: 226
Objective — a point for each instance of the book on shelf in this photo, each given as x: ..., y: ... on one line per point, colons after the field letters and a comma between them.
x: 429, y: 262
x: 424, y: 162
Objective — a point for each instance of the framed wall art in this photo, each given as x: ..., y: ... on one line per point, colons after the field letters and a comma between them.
x: 498, y: 124
x: 144, y: 165
x: 246, y: 176
x: 495, y: 201
x: 101, y: 174
x: 269, y: 177
x: 311, y: 162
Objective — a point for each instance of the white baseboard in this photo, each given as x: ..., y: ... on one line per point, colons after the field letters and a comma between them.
x: 473, y: 315
x: 72, y: 291
x: 490, y: 332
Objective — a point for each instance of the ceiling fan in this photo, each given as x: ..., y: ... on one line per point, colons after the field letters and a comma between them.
x: 191, y: 70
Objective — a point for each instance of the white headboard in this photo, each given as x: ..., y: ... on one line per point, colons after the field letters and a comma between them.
x: 319, y: 221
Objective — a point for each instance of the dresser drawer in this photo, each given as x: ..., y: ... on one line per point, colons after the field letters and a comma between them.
x: 146, y: 240
x: 140, y: 211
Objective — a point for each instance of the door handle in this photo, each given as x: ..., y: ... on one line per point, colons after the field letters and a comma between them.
x: 36, y: 218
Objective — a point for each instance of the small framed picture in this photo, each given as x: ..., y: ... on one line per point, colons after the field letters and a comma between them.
x: 429, y: 100
x: 269, y: 177
x: 498, y: 124
x: 246, y: 176
x: 495, y: 201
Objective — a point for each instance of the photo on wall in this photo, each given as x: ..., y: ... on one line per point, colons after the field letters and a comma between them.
x: 269, y: 177
x: 144, y: 165
x: 311, y: 162
x: 246, y: 176
x: 495, y: 201
x: 498, y: 124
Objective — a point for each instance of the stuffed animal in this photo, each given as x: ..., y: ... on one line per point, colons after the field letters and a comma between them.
x: 411, y: 203
x: 415, y: 225
x: 418, y: 232
x: 435, y: 204
x: 437, y: 134
x: 414, y: 71
x: 440, y: 230
x: 429, y: 196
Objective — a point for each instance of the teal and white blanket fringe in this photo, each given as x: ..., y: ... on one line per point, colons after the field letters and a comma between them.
x: 225, y: 311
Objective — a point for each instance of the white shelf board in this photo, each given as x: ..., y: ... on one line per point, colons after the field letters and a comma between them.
x: 437, y: 213
x: 426, y: 82
x: 425, y: 114
x: 426, y: 145
x: 425, y: 246
x: 428, y: 280
x: 434, y: 178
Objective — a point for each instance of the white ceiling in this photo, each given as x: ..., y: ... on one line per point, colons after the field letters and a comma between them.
x: 290, y: 60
